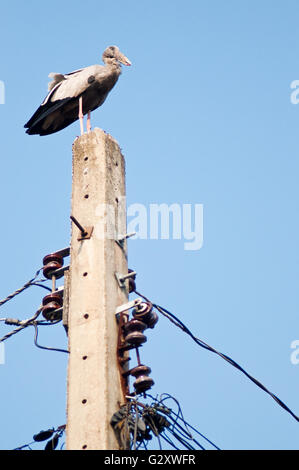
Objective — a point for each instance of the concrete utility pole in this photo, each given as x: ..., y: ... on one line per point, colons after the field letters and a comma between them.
x: 98, y: 207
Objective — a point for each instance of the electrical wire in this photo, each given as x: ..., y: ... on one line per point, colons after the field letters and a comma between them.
x: 46, y: 436
x: 45, y: 347
x: 41, y: 285
x: 24, y: 446
x: 136, y: 425
x: 195, y: 430
x: 145, y: 421
x: 22, y: 324
x: 181, y: 431
x: 175, y: 417
x: 32, y: 282
x: 174, y: 319
x: 169, y: 441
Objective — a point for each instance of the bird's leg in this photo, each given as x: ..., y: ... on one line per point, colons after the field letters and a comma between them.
x: 81, y: 115
x: 88, y: 122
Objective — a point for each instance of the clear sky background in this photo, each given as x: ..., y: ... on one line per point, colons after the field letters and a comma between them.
x: 203, y: 116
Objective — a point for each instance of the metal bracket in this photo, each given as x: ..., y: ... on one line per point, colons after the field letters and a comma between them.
x: 64, y: 252
x: 86, y: 235
x: 58, y: 272
x: 123, y: 308
x: 121, y: 278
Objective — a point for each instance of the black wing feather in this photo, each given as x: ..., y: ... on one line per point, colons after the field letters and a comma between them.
x: 44, y: 110
x: 67, y: 110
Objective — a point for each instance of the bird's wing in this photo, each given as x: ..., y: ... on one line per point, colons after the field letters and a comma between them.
x: 43, y: 111
x: 57, y: 79
x: 75, y: 83
x: 63, y: 88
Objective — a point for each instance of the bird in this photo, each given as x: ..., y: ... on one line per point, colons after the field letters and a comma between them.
x: 72, y: 95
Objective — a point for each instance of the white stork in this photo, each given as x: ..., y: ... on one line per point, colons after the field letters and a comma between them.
x: 75, y: 94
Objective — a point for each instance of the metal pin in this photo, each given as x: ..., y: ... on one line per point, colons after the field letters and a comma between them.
x: 138, y: 356
x: 85, y: 232
x: 128, y: 235
x: 53, y: 283
x: 121, y: 241
x: 82, y: 229
x: 121, y: 278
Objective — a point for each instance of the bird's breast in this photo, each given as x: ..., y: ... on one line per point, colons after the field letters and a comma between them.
x: 107, y: 81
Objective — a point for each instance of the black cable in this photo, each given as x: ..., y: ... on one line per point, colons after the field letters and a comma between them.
x: 41, y: 285
x: 204, y: 345
x: 179, y: 428
x: 135, y: 426
x: 48, y: 323
x: 183, y: 441
x: 23, y: 324
x: 186, y: 435
x: 176, y: 402
x: 167, y: 439
x: 24, y: 446
x: 229, y: 360
x: 24, y: 287
x: 153, y: 427
x: 195, y: 430
x: 45, y: 347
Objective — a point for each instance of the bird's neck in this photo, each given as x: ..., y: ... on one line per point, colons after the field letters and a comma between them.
x: 113, y: 64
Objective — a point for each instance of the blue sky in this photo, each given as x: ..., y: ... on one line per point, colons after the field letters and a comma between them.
x: 203, y: 116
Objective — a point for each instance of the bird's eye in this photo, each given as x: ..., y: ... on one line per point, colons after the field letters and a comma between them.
x: 111, y: 52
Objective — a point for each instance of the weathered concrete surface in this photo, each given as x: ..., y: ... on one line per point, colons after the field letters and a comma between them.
x: 94, y: 391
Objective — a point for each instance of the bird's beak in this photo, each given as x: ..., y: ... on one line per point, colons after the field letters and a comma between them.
x: 123, y: 59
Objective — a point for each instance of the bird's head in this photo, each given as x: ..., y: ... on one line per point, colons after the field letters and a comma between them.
x: 112, y: 55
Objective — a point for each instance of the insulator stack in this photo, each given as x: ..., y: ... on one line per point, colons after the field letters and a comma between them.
x: 144, y: 312
x: 51, y: 303
x: 143, y: 381
x: 131, y: 336
x: 51, y: 263
x: 133, y: 332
